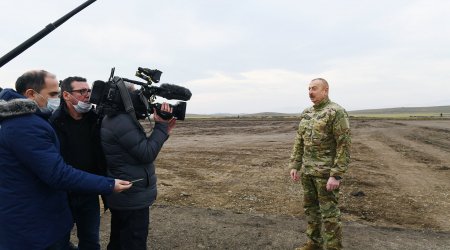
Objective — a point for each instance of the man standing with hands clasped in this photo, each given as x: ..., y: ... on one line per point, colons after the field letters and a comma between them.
x: 320, y: 157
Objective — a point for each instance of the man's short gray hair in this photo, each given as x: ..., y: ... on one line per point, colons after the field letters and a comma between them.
x: 324, y: 82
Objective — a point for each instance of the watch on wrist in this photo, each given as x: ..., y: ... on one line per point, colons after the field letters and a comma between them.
x: 337, y: 177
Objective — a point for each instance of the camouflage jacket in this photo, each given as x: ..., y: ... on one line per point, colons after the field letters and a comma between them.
x: 322, y: 145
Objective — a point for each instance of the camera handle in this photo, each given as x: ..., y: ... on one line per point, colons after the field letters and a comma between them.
x: 163, y: 114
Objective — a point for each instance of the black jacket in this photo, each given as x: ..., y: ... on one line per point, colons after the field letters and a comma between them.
x: 59, y: 121
x: 129, y: 155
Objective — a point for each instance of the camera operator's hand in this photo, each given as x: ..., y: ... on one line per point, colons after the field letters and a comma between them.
x: 171, y: 122
x: 164, y: 107
x: 120, y: 185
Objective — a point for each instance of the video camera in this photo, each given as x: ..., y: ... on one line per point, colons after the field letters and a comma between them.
x: 111, y: 96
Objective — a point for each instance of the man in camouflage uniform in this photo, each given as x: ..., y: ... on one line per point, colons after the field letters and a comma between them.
x: 320, y: 158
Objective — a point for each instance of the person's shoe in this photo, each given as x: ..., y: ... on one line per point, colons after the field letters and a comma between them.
x: 310, y: 246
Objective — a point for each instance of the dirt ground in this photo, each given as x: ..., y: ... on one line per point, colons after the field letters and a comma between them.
x: 224, y: 184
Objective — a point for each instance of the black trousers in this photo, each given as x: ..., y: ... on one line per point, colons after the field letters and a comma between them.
x: 129, y: 229
x: 86, y: 214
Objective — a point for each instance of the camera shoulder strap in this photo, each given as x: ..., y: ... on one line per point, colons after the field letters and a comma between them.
x: 125, y: 95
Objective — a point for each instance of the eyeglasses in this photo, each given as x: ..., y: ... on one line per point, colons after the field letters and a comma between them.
x: 82, y: 91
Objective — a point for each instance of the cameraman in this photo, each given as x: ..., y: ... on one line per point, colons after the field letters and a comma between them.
x: 130, y: 154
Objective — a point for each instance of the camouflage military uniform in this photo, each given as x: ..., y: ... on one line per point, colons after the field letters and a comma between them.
x: 321, y: 150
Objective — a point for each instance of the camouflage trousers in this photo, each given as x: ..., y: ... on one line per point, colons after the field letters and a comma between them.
x: 322, y: 212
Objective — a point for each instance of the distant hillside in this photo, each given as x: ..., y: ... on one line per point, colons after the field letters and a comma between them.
x: 436, y: 110
x: 403, y: 111
x: 269, y: 114
x: 261, y: 114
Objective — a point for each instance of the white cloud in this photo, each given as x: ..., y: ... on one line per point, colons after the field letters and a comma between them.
x: 253, y: 91
x: 251, y: 56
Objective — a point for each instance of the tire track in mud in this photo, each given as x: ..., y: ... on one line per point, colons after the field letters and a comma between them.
x: 242, y: 166
x: 417, y: 169
x: 438, y: 143
x: 433, y: 134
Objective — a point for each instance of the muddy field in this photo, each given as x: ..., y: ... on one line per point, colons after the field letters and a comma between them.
x: 224, y: 184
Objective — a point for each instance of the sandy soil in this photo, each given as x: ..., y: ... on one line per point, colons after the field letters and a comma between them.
x: 224, y: 184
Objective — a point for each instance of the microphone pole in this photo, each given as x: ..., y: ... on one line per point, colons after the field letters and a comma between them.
x: 38, y: 36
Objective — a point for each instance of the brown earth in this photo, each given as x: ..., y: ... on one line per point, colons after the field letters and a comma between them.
x: 224, y: 184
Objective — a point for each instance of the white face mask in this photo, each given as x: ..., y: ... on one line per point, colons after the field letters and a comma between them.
x: 53, y: 103
x: 82, y: 107
x: 42, y: 109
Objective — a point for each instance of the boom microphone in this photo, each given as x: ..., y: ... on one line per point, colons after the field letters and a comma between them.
x: 38, y: 36
x: 172, y: 91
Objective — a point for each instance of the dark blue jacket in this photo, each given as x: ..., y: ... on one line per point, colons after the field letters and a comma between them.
x: 34, y: 211
x: 129, y: 155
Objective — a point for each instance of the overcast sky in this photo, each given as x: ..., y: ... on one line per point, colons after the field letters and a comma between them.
x: 246, y: 56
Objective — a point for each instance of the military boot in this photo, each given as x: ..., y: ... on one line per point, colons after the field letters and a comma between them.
x: 310, y: 246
